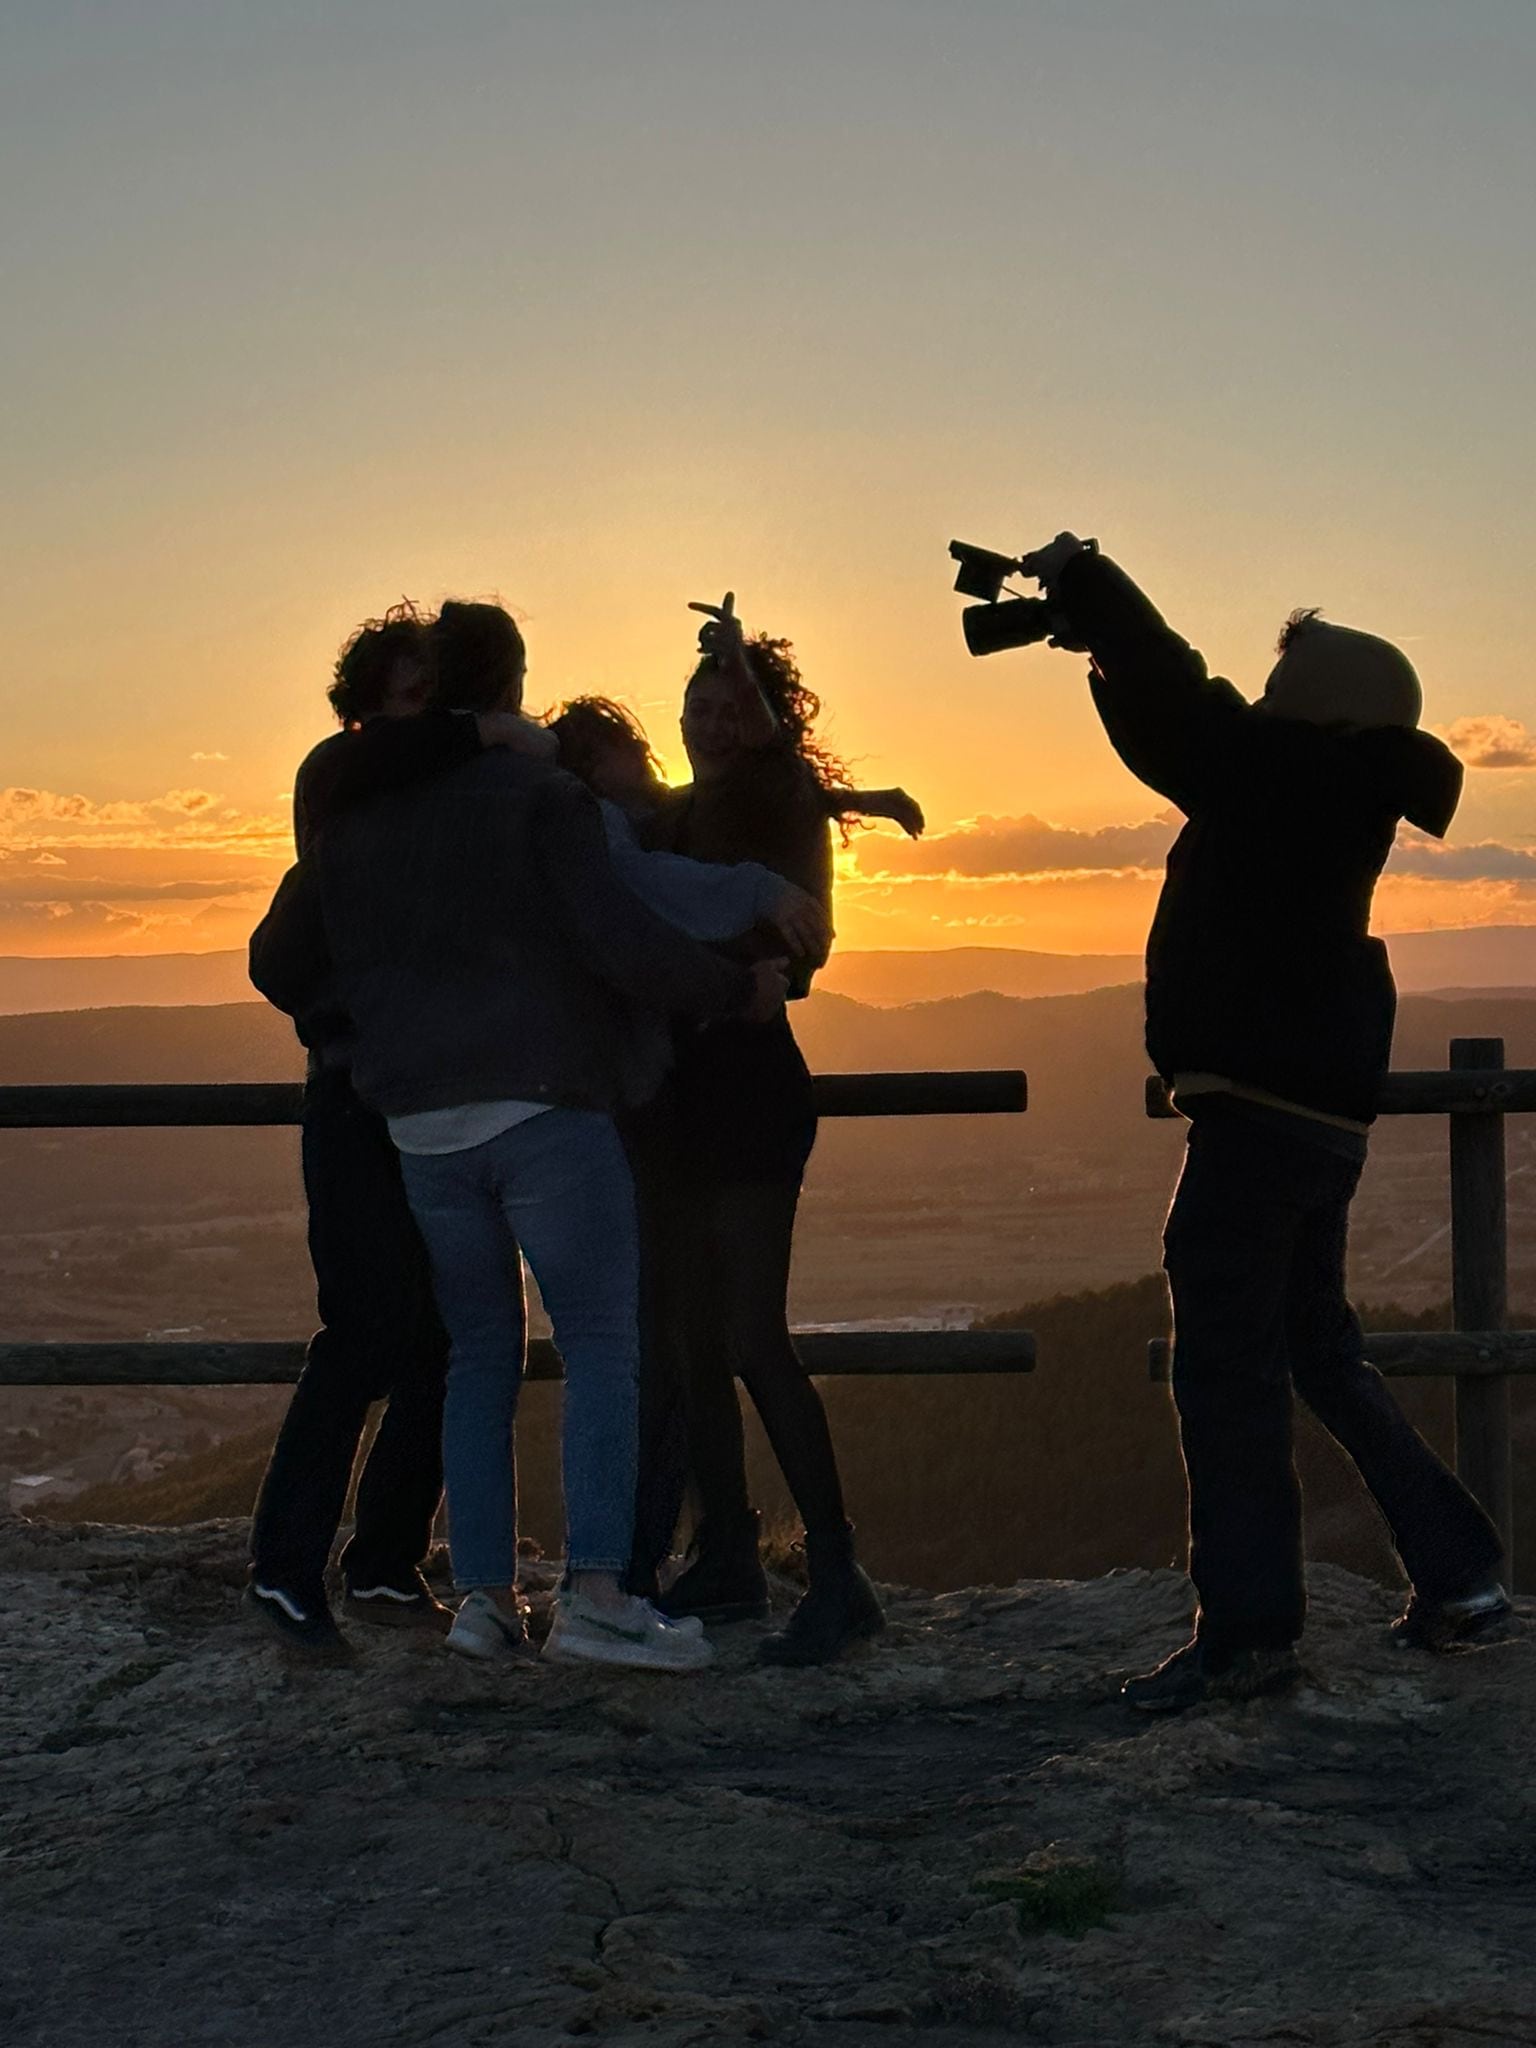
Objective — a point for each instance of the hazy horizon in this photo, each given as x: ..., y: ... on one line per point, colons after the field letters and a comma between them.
x: 310, y: 308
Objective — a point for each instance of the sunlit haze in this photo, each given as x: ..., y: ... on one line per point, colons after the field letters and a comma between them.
x: 605, y: 305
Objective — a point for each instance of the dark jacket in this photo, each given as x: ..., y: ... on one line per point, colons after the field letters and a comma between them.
x: 484, y: 949
x: 289, y: 961
x: 1260, y: 966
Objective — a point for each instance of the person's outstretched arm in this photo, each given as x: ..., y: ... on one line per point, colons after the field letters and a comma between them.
x: 1176, y: 727
x: 892, y: 804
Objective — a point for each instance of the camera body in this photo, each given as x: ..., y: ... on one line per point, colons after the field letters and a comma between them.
x: 992, y: 623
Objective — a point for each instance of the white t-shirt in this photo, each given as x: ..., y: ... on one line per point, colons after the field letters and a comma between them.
x: 430, y: 1132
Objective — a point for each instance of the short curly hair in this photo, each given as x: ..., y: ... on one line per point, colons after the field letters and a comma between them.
x: 366, y: 663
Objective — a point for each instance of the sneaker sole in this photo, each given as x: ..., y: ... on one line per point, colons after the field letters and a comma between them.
x: 488, y: 1653
x: 624, y: 1656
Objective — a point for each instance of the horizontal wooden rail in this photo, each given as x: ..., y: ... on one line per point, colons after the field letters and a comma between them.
x: 1419, y: 1354
x: 981, y: 1092
x: 835, y: 1353
x: 1410, y: 1093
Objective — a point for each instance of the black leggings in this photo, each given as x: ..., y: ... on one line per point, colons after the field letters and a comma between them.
x: 736, y: 1127
x: 739, y: 1238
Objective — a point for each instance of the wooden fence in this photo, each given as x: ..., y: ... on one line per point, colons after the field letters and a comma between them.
x: 861, y: 1352
x: 1475, y: 1093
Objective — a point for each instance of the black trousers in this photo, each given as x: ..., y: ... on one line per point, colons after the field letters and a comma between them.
x: 380, y: 1339
x: 1254, y: 1252
x: 718, y: 1167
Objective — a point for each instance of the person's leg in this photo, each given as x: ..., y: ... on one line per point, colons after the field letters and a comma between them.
x: 752, y: 1232
x: 564, y: 1188
x: 751, y: 1238
x: 478, y: 1277
x: 368, y: 1274
x: 650, y: 1145
x: 1228, y: 1248
x: 1446, y: 1543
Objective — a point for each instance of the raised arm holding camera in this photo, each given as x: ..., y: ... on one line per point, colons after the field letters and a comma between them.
x: 1269, y: 1013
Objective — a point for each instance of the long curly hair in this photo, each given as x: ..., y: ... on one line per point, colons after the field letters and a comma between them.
x: 796, y: 707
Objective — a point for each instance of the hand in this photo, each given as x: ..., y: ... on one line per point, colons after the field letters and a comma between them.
x: 907, y: 812
x: 522, y: 735
x: 802, y: 923
x: 1047, y: 563
x: 722, y: 637
x: 770, y: 987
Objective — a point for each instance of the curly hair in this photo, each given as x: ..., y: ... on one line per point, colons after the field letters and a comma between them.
x: 365, y: 664
x: 794, y: 705
x: 1296, y: 625
x: 586, y: 723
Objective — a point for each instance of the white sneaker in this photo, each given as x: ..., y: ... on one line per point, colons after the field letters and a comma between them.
x: 481, y: 1630
x: 632, y: 1634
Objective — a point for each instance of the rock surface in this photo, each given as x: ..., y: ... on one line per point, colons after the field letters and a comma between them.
x: 206, y: 1843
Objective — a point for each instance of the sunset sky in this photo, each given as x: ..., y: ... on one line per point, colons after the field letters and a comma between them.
x: 603, y: 305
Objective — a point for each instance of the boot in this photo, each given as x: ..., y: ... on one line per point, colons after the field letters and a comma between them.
x: 840, y: 1605
x: 723, y: 1580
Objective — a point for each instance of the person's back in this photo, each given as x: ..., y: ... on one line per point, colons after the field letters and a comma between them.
x: 1260, y: 966
x: 462, y: 979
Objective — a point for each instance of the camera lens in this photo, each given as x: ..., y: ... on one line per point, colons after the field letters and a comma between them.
x: 1018, y: 622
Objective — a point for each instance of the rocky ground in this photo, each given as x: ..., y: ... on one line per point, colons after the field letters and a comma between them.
x: 206, y: 1843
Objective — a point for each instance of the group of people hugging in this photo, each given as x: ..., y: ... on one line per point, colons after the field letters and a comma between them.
x: 546, y: 1003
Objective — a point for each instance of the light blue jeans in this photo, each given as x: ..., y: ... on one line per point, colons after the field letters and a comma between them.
x: 557, y: 1191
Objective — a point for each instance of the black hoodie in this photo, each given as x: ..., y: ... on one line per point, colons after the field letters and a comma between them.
x: 1260, y: 964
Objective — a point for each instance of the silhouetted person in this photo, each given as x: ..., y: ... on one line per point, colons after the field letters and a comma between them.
x: 1270, y: 1013
x: 742, y: 1121
x: 380, y: 1337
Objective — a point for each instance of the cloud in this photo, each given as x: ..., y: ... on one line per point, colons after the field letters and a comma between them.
x: 1487, y: 861
x: 62, y: 892
x: 1492, y: 742
x: 37, y: 821
x: 1026, y: 846
x: 200, y: 756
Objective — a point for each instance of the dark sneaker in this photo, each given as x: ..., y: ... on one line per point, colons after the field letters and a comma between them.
x: 723, y: 1581
x: 1439, y: 1625
x: 1194, y: 1676
x: 305, y: 1625
x: 407, y: 1602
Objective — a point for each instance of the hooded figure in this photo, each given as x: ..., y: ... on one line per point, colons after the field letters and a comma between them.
x: 1261, y: 972
x: 1270, y: 1011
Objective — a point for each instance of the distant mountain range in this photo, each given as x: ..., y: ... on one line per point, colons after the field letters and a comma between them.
x: 1483, y: 957
x: 1083, y: 1052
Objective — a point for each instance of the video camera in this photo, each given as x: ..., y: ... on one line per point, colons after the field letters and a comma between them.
x: 990, y: 626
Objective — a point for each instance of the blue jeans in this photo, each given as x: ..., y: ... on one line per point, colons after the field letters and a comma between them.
x: 556, y: 1190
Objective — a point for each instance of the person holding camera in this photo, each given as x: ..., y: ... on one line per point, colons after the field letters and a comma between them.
x: 1269, y: 1013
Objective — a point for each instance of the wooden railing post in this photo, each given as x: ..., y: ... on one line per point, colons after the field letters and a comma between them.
x: 1479, y: 1287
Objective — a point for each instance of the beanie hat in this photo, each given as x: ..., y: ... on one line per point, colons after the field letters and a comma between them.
x: 1335, y: 675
